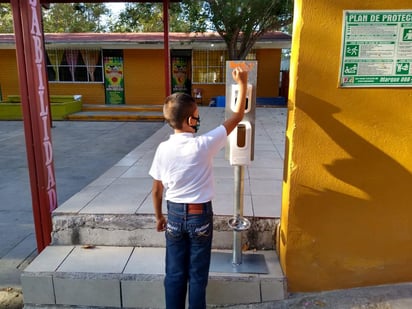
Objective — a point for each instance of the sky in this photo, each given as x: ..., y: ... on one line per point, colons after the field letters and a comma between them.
x: 115, y: 7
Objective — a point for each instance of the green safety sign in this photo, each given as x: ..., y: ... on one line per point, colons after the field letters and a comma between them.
x: 376, y: 49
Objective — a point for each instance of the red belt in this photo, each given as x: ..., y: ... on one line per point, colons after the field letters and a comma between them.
x: 195, y: 209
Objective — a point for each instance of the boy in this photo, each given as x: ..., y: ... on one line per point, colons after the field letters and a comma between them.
x: 182, y: 167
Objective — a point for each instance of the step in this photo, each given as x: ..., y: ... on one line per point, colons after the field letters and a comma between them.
x: 93, y: 112
x: 130, y: 108
x: 113, y: 217
x: 116, y: 116
x: 139, y: 230
x: 116, y: 208
x: 132, y: 277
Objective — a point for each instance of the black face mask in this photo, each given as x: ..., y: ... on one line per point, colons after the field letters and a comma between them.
x: 196, y: 127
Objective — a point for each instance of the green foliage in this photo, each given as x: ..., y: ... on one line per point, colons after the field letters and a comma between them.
x: 241, y: 22
x: 187, y: 16
x: 139, y: 17
x: 74, y: 17
x: 6, y: 18
x: 194, y: 14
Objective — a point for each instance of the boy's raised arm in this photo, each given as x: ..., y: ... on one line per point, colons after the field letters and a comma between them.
x: 240, y: 76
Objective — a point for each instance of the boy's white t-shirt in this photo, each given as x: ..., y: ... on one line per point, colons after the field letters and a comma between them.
x: 184, y: 164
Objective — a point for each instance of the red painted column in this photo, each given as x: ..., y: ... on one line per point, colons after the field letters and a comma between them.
x: 166, y: 46
x: 35, y: 106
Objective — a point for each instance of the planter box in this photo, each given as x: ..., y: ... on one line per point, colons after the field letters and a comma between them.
x: 61, y: 106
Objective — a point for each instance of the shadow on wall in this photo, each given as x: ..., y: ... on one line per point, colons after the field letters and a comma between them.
x: 360, y: 240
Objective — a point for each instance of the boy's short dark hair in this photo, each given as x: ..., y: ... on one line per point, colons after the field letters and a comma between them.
x: 177, y: 108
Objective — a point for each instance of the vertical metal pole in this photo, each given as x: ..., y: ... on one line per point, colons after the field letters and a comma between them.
x: 238, y: 212
x: 166, y: 46
x: 35, y: 106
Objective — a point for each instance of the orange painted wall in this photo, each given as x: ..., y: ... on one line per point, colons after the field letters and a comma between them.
x: 91, y: 93
x: 9, y: 79
x: 144, y: 78
x: 9, y: 82
x: 346, y: 217
x: 211, y: 91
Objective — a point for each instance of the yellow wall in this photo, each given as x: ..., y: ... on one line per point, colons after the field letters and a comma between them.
x: 9, y: 79
x: 347, y: 200
x: 210, y: 91
x: 144, y: 76
x: 91, y: 93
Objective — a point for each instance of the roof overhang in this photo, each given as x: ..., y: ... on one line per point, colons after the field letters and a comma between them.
x: 147, y: 40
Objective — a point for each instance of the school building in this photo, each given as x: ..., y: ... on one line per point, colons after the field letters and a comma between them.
x: 129, y: 68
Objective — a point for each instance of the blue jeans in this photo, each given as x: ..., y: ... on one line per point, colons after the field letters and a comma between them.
x: 188, y: 250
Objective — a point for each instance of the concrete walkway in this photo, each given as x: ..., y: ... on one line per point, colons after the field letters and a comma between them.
x: 91, y: 154
x: 82, y: 152
x: 122, y: 195
x: 78, y: 144
x: 125, y: 187
x: 114, y: 213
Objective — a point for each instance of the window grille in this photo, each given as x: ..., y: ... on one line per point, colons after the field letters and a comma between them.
x: 209, y: 66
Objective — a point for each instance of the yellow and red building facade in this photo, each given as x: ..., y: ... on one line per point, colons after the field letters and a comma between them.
x: 128, y: 68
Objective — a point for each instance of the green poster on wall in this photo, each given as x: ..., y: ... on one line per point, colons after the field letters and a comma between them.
x: 180, y: 74
x: 376, y: 49
x: 113, y: 80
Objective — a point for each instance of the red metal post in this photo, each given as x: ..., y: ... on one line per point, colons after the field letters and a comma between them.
x: 35, y: 106
x: 166, y: 46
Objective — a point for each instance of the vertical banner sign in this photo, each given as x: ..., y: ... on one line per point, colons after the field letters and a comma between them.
x: 113, y: 79
x: 35, y: 105
x: 180, y: 78
x: 376, y: 49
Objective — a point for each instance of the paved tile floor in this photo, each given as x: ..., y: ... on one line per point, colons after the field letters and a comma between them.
x: 82, y: 152
x: 125, y: 188
x: 89, y: 155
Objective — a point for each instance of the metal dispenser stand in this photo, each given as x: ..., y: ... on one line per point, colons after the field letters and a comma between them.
x: 240, y: 152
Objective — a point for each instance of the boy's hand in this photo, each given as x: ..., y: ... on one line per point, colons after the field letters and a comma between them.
x: 161, y: 224
x: 240, y: 75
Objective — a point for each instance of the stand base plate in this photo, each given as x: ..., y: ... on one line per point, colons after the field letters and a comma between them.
x: 222, y: 262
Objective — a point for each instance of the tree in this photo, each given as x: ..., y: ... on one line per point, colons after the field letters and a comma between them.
x: 6, y: 18
x: 241, y: 22
x: 75, y: 17
x: 185, y: 16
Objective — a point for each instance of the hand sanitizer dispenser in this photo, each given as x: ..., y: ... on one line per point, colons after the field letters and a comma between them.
x: 240, y: 144
x: 235, y: 93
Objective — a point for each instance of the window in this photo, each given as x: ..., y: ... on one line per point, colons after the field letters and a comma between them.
x: 74, y: 65
x: 209, y: 66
